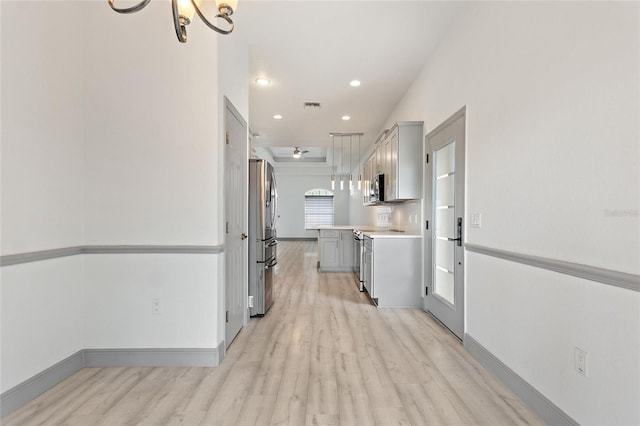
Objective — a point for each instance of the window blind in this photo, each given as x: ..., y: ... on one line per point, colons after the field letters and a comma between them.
x: 318, y: 211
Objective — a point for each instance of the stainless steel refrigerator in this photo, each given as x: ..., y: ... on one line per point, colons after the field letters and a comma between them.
x: 263, y: 197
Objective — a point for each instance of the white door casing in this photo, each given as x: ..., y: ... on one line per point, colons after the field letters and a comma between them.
x: 444, y: 211
x: 236, y: 226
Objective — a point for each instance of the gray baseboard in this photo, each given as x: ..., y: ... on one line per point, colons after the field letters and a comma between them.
x: 297, y: 239
x: 154, y: 357
x: 336, y: 268
x: 222, y: 351
x: 21, y: 394
x: 539, y: 404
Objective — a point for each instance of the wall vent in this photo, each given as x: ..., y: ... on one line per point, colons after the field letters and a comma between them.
x: 312, y: 104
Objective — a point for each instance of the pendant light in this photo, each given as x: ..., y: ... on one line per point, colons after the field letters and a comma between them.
x: 359, y: 162
x: 350, y: 170
x: 341, y: 163
x: 342, y: 160
x: 333, y: 163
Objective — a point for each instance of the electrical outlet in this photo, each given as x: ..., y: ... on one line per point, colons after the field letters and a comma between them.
x: 250, y: 303
x: 580, y: 361
x: 155, y: 306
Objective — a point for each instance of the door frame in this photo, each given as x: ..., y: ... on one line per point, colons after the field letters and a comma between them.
x: 428, y: 211
x: 229, y: 108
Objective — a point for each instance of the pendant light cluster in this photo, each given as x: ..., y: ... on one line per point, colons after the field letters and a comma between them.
x: 342, y: 175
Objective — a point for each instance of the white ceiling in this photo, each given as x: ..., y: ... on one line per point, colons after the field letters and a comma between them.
x: 311, y: 50
x: 309, y: 155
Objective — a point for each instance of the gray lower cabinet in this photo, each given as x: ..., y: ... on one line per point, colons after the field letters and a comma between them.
x: 395, y: 272
x: 335, y: 249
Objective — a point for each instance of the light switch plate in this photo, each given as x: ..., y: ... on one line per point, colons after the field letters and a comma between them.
x: 476, y: 220
x: 580, y: 361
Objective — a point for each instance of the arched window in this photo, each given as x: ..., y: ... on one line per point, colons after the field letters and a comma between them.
x: 318, y: 208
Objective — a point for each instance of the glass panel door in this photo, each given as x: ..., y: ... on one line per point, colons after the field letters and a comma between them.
x: 444, y: 222
x: 444, y: 208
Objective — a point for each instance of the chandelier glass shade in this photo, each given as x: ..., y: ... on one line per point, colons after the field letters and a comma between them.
x: 183, y: 12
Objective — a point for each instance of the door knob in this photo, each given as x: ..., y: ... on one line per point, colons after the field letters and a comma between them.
x: 243, y: 236
x: 459, y: 239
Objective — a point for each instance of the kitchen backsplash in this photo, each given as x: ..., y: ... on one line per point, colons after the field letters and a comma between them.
x: 407, y: 217
x: 383, y: 216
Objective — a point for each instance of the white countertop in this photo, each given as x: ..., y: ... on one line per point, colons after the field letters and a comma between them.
x: 390, y: 234
x: 346, y: 227
x: 372, y: 232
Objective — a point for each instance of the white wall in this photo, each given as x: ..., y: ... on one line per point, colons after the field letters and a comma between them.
x: 42, y: 129
x: 41, y: 317
x: 41, y: 186
x: 153, y: 178
x: 291, y: 190
x: 110, y: 136
x: 118, y: 293
x: 152, y: 148
x: 552, y: 95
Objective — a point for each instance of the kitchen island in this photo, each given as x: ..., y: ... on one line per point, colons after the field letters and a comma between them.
x: 392, y: 269
x: 390, y: 261
x: 336, y: 248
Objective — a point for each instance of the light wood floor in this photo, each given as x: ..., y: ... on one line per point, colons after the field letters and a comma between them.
x: 322, y: 355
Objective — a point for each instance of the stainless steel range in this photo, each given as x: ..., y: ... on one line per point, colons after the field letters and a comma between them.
x: 358, y: 254
x: 262, y: 235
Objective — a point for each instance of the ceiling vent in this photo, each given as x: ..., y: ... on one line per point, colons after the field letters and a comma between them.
x: 312, y: 105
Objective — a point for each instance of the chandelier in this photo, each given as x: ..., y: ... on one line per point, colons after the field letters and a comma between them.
x: 183, y: 11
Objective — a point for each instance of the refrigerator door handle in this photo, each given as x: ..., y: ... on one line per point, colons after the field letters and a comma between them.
x: 274, y: 208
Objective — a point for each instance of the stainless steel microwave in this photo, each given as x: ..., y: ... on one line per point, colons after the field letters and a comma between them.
x: 377, y: 189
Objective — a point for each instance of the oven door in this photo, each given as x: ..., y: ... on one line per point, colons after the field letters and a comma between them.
x: 367, y: 265
x: 357, y: 247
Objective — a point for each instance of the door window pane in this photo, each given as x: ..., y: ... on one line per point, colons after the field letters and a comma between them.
x: 445, y: 190
x: 443, y: 285
x: 445, y: 161
x: 445, y: 223
x: 444, y: 254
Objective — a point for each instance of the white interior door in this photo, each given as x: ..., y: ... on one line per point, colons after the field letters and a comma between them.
x: 236, y: 221
x: 444, y: 262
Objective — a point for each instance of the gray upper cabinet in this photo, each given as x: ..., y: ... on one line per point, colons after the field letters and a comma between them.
x: 401, y: 156
x: 398, y: 155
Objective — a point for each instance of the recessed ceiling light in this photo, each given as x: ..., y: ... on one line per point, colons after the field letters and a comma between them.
x: 277, y: 117
x: 355, y: 83
x: 263, y: 81
x: 346, y: 117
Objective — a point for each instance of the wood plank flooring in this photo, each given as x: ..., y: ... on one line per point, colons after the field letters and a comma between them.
x: 323, y: 355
